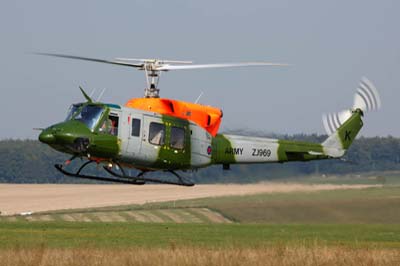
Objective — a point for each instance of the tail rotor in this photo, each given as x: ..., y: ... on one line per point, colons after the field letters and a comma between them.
x: 365, y: 99
x: 367, y: 96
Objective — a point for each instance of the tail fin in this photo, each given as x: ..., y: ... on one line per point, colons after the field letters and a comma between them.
x: 344, y: 126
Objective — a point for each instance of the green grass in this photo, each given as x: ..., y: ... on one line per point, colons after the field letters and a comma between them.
x: 365, y: 218
x: 373, y: 205
x: 64, y: 234
x: 364, y: 206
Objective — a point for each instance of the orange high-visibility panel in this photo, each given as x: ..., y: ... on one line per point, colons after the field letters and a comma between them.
x: 207, y: 117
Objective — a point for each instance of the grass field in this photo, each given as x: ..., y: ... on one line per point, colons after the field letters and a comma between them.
x: 340, y: 227
x: 276, y: 255
x: 371, y: 205
x: 65, y: 234
x: 379, y: 205
x: 63, y: 243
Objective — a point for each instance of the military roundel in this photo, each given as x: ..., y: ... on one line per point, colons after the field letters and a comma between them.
x: 209, y: 150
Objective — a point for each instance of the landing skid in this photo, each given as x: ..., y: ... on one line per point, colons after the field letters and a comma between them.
x: 141, y: 177
x: 60, y: 168
x: 123, y: 178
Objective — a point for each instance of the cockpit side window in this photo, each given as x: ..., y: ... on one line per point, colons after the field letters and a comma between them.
x: 110, y: 125
x: 114, y: 125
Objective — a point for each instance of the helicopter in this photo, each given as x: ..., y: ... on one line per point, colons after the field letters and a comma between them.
x: 153, y: 134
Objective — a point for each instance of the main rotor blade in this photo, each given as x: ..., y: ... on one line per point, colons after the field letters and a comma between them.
x: 172, y: 67
x: 161, y: 61
x: 93, y: 60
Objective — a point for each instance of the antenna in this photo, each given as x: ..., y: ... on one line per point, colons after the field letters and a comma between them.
x: 101, y: 95
x: 93, y: 92
x: 198, y: 98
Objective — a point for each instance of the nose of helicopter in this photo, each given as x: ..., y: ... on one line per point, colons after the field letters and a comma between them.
x: 47, y: 137
x: 68, y: 134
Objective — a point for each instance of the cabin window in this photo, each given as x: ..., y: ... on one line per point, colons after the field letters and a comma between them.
x: 177, y: 138
x: 135, y: 127
x: 156, y: 133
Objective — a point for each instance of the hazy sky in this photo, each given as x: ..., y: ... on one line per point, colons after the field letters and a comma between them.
x: 331, y: 44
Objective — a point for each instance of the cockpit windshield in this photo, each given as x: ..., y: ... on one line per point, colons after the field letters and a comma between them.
x: 72, y: 110
x: 90, y: 115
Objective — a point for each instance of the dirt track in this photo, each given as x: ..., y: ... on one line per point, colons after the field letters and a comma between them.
x: 34, y: 198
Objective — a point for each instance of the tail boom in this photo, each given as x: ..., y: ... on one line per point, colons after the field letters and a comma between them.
x: 231, y: 149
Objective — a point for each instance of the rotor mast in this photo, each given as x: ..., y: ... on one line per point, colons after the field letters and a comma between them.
x: 153, y: 69
x: 152, y: 79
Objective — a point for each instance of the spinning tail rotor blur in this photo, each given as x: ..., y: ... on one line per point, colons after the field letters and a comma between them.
x: 366, y: 99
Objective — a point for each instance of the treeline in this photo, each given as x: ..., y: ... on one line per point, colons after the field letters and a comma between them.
x: 29, y: 161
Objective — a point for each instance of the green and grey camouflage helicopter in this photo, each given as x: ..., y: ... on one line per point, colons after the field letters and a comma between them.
x: 159, y: 134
